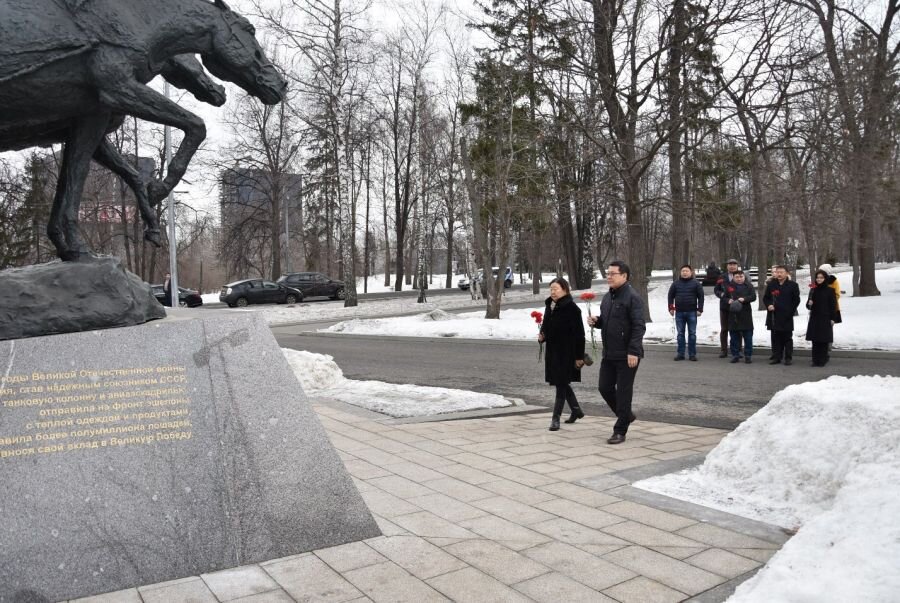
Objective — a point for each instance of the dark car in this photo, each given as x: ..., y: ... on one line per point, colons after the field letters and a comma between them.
x: 186, y: 297
x: 314, y: 284
x: 258, y: 291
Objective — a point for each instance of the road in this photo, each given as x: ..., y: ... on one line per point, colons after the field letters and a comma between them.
x: 710, y: 393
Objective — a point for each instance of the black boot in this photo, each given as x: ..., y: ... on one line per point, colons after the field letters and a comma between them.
x: 557, y: 411
x: 554, y: 423
x: 577, y: 413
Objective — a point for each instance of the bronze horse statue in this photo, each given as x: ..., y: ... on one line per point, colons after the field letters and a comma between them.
x: 70, y: 70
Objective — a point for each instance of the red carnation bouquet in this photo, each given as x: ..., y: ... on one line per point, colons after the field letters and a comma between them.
x: 776, y: 292
x: 586, y: 297
x: 539, y: 318
x: 731, y: 289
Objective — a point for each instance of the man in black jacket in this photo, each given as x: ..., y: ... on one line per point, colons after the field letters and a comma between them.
x: 686, y: 304
x: 622, y: 328
x: 781, y: 298
x: 722, y: 284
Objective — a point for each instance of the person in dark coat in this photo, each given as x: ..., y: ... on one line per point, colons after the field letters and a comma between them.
x: 822, y: 305
x: 563, y: 332
x: 725, y: 281
x: 741, y: 296
x: 782, y: 297
x: 686, y: 304
x: 167, y: 290
x: 622, y: 328
x: 712, y: 273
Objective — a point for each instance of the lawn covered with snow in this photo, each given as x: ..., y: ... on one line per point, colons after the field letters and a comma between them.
x: 320, y: 376
x: 823, y: 457
x: 869, y: 322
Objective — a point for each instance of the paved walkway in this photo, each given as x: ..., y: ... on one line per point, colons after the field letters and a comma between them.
x: 501, y: 509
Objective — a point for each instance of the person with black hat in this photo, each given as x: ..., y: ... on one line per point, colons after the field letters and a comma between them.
x: 741, y: 296
x: 720, y: 290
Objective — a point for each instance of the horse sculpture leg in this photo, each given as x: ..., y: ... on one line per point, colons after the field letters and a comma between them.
x: 107, y: 156
x: 133, y: 98
x: 62, y: 228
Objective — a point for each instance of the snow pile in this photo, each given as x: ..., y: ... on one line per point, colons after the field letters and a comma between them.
x: 824, y: 456
x: 320, y: 376
x: 513, y: 324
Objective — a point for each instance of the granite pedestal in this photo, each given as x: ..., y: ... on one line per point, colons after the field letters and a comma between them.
x: 142, y: 454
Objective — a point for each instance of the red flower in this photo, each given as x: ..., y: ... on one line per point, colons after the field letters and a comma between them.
x: 720, y: 281
x: 588, y: 296
x: 731, y: 289
x: 537, y: 316
x: 812, y: 285
x: 776, y: 292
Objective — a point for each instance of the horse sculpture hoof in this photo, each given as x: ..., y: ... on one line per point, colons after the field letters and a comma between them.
x: 152, y: 236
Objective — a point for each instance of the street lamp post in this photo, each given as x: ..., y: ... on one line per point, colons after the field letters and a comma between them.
x: 174, y: 296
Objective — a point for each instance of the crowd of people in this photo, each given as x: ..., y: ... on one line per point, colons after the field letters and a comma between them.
x: 622, y: 326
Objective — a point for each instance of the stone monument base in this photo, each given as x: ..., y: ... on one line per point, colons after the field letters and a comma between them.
x: 143, y: 454
x: 70, y: 297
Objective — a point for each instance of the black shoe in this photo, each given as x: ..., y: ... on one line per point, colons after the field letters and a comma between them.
x: 747, y: 360
x: 693, y: 359
x: 554, y: 424
x: 632, y: 419
x: 617, y: 438
x: 735, y: 359
x: 678, y: 358
x: 723, y: 354
x: 576, y: 414
x: 788, y: 362
x: 775, y: 361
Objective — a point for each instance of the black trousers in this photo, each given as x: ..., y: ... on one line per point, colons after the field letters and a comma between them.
x: 617, y: 387
x: 723, y: 332
x: 820, y: 353
x: 782, y: 345
x: 564, y: 393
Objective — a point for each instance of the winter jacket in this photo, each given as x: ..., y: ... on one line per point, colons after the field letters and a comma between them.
x: 686, y: 295
x: 743, y: 320
x: 722, y: 284
x: 622, y: 324
x: 564, y: 340
x: 786, y: 298
x: 822, y: 305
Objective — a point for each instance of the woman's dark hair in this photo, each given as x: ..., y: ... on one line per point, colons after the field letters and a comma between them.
x: 823, y: 273
x: 562, y: 283
x: 688, y: 266
x: 623, y: 268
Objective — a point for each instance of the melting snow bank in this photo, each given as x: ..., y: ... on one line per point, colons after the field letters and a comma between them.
x: 321, y: 376
x: 823, y: 456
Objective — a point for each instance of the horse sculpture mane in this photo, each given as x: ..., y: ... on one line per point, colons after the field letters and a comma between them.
x: 71, y: 69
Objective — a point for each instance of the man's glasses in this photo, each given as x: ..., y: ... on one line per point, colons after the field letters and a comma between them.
x: 609, y: 274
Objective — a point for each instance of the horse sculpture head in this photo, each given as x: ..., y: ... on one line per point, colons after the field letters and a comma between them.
x: 237, y: 57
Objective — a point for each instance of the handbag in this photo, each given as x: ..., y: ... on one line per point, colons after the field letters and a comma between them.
x: 588, y: 361
x: 735, y: 307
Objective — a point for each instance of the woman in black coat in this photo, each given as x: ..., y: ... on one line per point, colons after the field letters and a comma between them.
x: 563, y: 332
x: 822, y: 304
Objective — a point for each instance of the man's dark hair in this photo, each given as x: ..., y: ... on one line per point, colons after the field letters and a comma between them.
x: 623, y: 268
x: 683, y: 266
x: 738, y: 271
x: 562, y: 283
x: 777, y: 266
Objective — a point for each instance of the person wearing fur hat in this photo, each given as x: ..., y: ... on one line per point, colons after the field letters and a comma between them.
x: 822, y: 305
x: 831, y: 281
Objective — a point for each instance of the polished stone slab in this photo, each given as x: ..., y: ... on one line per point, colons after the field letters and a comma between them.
x: 143, y: 454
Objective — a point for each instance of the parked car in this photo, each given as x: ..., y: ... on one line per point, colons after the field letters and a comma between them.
x: 464, y: 282
x: 186, y: 297
x: 258, y: 291
x: 314, y: 284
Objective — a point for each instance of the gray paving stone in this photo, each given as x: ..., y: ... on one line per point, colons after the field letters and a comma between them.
x: 523, y: 476
x: 722, y: 538
x: 129, y: 595
x: 516, y: 491
x: 579, y: 565
x: 678, y: 552
x: 761, y: 555
x: 385, y: 504
x: 497, y: 561
x: 400, y: 486
x: 579, y: 513
x: 447, y: 507
x: 429, y: 525
x: 361, y: 469
x: 512, y: 510
x: 466, y: 474
x: 553, y: 588
x: 459, y: 489
x: 570, y: 532
x: 669, y: 572
x: 389, y: 528
x: 273, y: 596
x: 239, y: 582
x: 649, y: 516
x: 350, y: 556
x: 506, y: 532
x: 417, y: 556
x: 415, y: 472
x: 723, y: 563
x: 388, y: 582
x: 470, y: 585
x: 188, y: 589
x: 580, y: 494
x: 644, y: 590
x: 308, y: 578
x: 643, y: 535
